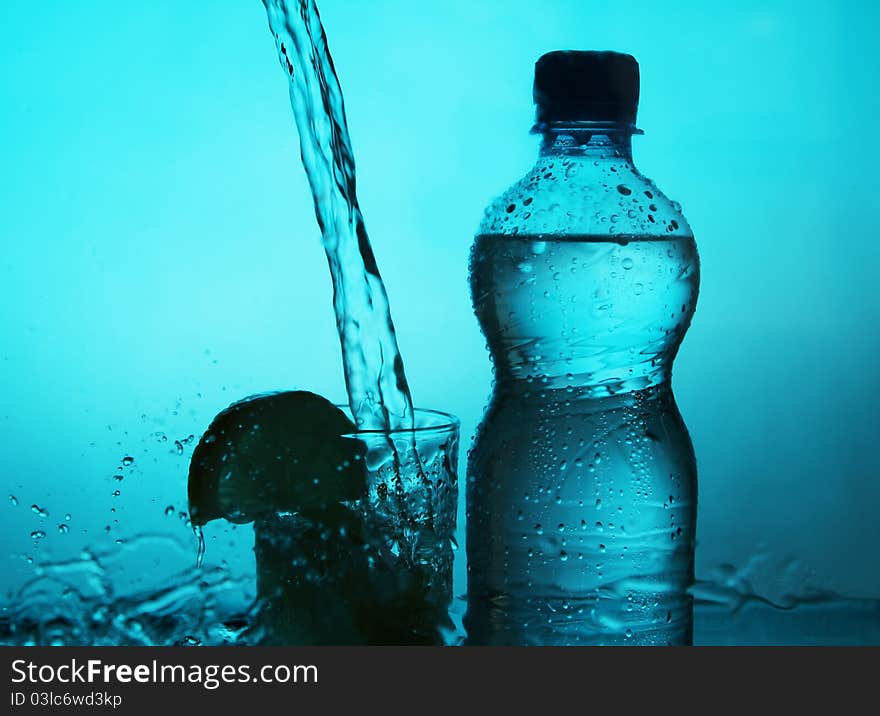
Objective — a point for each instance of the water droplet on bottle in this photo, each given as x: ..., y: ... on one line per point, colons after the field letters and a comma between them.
x: 624, y: 189
x: 627, y: 263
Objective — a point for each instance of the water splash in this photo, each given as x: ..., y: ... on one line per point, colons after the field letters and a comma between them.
x: 77, y: 602
x: 377, y: 388
x: 200, y: 554
x: 74, y: 602
x: 105, y: 596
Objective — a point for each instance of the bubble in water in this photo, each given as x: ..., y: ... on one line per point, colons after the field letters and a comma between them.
x: 127, y: 461
x: 39, y: 511
x: 63, y: 528
x: 37, y: 534
x: 13, y: 500
x: 627, y: 263
x: 169, y: 511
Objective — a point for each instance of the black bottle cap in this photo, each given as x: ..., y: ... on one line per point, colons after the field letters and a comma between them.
x: 581, y: 85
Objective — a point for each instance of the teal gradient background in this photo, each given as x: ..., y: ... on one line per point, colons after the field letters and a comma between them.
x: 160, y: 256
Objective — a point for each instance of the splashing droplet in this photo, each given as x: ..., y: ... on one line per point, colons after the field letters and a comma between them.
x: 200, y: 555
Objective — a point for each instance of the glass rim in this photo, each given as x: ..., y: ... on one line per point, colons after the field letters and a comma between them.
x: 447, y: 423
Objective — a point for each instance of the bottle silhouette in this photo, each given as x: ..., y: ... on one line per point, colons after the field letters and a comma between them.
x: 581, y: 483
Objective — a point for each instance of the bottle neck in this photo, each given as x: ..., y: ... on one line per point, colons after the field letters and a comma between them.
x: 602, y: 140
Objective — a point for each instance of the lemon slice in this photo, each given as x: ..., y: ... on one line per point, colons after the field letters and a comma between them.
x: 275, y: 453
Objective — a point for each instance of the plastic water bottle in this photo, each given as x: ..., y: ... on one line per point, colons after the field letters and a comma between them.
x: 581, y: 485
